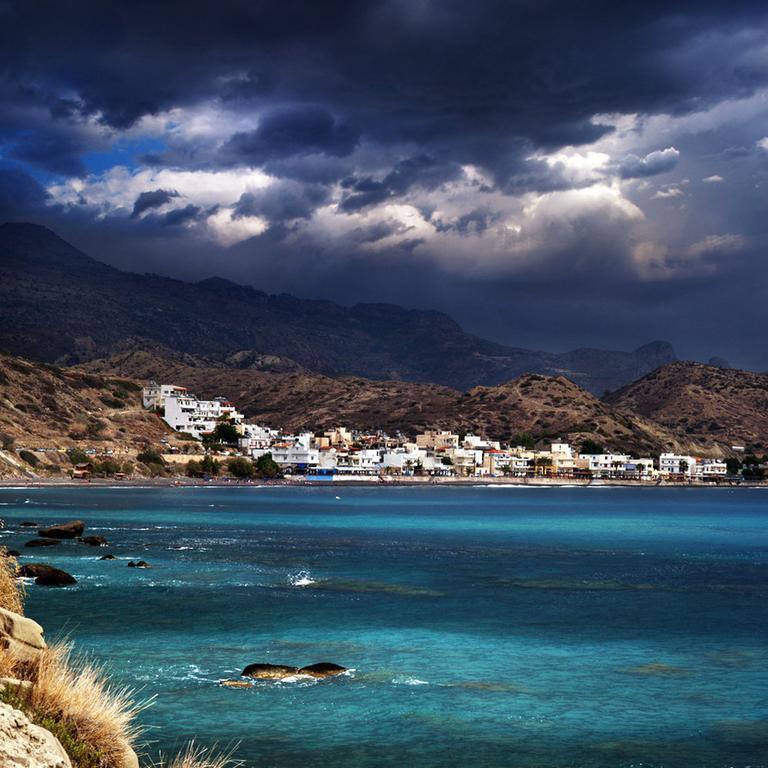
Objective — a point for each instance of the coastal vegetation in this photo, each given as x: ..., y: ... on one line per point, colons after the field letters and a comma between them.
x: 69, y: 696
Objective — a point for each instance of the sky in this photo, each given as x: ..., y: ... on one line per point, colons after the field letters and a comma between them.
x: 551, y: 173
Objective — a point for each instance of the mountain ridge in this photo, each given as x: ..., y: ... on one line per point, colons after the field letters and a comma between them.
x: 60, y: 305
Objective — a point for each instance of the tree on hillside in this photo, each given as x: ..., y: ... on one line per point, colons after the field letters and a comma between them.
x: 225, y: 432
x: 241, y: 468
x: 591, y: 446
x: 266, y: 466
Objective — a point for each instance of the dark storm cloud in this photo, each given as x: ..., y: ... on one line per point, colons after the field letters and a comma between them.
x: 182, y: 215
x: 20, y: 194
x: 422, y: 171
x: 282, y: 201
x: 394, y: 98
x: 290, y: 131
x: 152, y: 199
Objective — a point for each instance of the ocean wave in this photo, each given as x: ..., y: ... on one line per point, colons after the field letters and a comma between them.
x: 301, y: 579
x: 409, y: 681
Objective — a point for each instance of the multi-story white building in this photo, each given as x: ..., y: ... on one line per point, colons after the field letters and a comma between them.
x: 256, y: 437
x: 709, y: 468
x: 674, y: 464
x: 185, y: 413
x: 604, y: 464
x: 296, y: 452
x: 154, y: 394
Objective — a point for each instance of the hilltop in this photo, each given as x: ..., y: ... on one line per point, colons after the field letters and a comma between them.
x: 61, y: 306
x: 45, y: 407
x: 544, y: 407
x: 703, y: 403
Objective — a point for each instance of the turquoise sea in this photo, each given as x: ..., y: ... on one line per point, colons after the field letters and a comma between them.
x: 483, y: 626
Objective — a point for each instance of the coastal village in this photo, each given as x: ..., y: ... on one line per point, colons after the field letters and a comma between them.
x: 344, y: 454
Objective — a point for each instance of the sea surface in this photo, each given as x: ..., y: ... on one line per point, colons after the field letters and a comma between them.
x: 484, y: 627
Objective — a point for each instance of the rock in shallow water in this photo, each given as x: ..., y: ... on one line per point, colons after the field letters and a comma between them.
x: 139, y: 564
x: 107, y: 557
x: 281, y: 671
x: 42, y: 543
x: 46, y: 575
x: 94, y: 541
x: 70, y: 530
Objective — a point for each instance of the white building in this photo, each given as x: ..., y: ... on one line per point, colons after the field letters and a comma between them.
x: 185, y: 413
x: 709, y: 468
x: 296, y: 452
x: 153, y: 395
x: 673, y: 464
x: 605, y: 464
x: 256, y: 438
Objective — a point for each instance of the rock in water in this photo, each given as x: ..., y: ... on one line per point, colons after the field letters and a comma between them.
x: 107, y: 557
x: 55, y: 578
x: 41, y: 543
x: 322, y: 669
x: 13, y: 553
x: 139, y: 564
x: 95, y: 541
x: 24, y: 745
x: 20, y: 636
x: 269, y: 671
x: 70, y: 530
x: 28, y: 524
x: 234, y: 684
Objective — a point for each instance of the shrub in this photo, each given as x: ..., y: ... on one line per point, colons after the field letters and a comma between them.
x: 11, y: 595
x: 242, y: 468
x: 95, y: 722
x: 107, y: 467
x: 150, y: 456
x: 209, y: 465
x: 29, y: 457
x: 266, y: 466
x: 76, y: 456
x: 591, y: 446
x: 6, y: 441
x: 224, y: 433
x: 112, y: 402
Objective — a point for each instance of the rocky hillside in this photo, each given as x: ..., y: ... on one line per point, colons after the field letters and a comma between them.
x: 702, y: 403
x: 59, y: 305
x: 543, y: 406
x: 45, y: 410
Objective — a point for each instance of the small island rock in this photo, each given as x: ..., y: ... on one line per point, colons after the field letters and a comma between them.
x: 41, y: 543
x: 28, y: 524
x: 269, y: 671
x: 322, y: 669
x: 70, y: 530
x: 94, y: 541
x: 55, y: 578
x: 139, y: 564
x: 107, y: 557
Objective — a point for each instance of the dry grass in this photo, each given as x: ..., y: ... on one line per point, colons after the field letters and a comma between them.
x: 200, y: 757
x: 74, y: 693
x: 11, y: 590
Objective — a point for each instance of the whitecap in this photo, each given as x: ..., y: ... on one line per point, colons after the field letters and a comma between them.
x: 301, y: 579
x: 409, y: 681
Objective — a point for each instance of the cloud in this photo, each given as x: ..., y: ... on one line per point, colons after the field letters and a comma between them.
x: 155, y: 198
x: 714, y: 179
x: 654, y: 163
x: 290, y: 131
x: 282, y: 201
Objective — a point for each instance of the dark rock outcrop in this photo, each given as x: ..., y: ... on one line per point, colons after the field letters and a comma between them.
x: 70, y: 530
x: 139, y: 564
x: 269, y: 671
x: 94, y: 541
x: 46, y: 575
x: 281, y: 671
x: 322, y: 669
x: 41, y: 543
x: 107, y: 557
x: 13, y: 553
x: 28, y: 524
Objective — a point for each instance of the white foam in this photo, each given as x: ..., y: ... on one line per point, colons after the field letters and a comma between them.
x: 301, y: 579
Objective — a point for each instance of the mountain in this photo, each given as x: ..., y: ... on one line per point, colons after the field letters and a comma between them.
x: 703, y: 402
x: 546, y: 407
x: 59, y: 305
